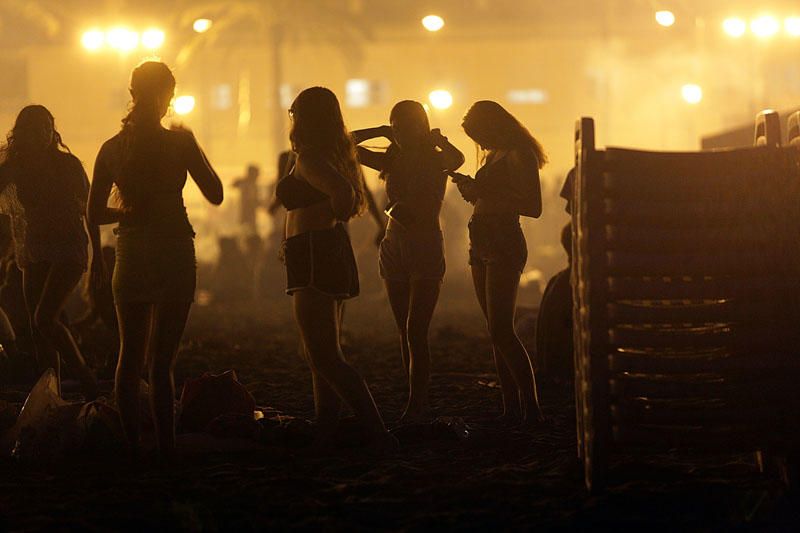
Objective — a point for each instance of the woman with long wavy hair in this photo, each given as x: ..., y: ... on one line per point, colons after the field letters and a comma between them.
x: 504, y: 188
x: 44, y: 190
x: 414, y: 168
x: 154, y: 274
x: 323, y: 191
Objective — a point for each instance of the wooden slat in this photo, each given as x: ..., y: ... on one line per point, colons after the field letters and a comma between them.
x: 687, y: 240
x: 731, y: 438
x: 701, y: 287
x: 704, y: 414
x: 721, y: 361
x: 751, y: 337
x: 729, y: 388
x: 719, y: 263
x: 727, y: 311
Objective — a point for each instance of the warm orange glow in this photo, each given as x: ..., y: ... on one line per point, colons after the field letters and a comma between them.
x: 765, y: 26
x: 792, y: 26
x: 734, y: 27
x: 93, y: 40
x: 202, y: 25
x: 665, y: 18
x: 692, y: 93
x: 433, y: 22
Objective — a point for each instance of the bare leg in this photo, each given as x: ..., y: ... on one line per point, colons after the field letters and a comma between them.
x: 169, y: 323
x: 34, y: 277
x: 511, y: 401
x: 58, y: 285
x: 316, y: 315
x: 399, y: 293
x: 424, y: 295
x: 135, y: 327
x: 501, y: 298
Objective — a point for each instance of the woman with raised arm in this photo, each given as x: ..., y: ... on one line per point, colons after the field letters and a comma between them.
x: 43, y: 188
x: 412, y: 264
x: 323, y: 191
x: 154, y: 274
x: 504, y: 188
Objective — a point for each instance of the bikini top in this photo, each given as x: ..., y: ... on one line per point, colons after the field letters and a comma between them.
x: 296, y: 193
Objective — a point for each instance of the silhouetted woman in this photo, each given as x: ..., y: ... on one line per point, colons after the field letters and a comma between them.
x: 325, y: 189
x: 412, y: 262
x: 505, y: 188
x: 44, y: 189
x: 154, y: 274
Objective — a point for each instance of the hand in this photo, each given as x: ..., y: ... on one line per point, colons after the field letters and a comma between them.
x: 457, y: 177
x: 437, y: 138
x: 468, y: 190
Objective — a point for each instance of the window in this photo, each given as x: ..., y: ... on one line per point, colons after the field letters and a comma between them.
x: 363, y: 93
x: 528, y: 96
x: 222, y: 97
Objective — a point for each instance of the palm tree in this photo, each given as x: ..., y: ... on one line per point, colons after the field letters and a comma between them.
x: 277, y: 22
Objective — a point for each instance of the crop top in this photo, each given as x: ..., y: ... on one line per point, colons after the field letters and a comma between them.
x: 296, y: 193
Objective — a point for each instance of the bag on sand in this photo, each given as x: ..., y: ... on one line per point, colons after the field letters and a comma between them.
x: 47, y: 426
x: 205, y: 398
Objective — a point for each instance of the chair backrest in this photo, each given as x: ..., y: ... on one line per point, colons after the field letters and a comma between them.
x: 768, y: 128
x: 686, y: 276
x: 793, y: 129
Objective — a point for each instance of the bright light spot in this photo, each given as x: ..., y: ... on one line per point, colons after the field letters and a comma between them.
x: 527, y: 96
x: 357, y: 92
x: 792, y: 26
x: 93, y: 40
x: 692, y: 93
x: 202, y: 25
x: 734, y: 27
x: 183, y: 105
x: 665, y: 18
x: 152, y: 38
x: 122, y: 39
x: 765, y: 26
x: 441, y: 99
x: 433, y: 22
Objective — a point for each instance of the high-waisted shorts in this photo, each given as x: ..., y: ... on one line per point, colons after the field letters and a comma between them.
x: 411, y: 255
x: 154, y: 268
x: 497, y: 240
x: 322, y: 260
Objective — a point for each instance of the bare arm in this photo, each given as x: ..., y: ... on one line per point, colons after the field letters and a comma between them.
x: 452, y: 158
x: 370, y: 158
x: 98, y: 212
x: 202, y: 172
x: 326, y: 179
x: 93, y: 229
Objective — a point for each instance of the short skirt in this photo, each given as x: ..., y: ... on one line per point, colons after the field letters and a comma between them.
x: 322, y: 260
x: 153, y: 268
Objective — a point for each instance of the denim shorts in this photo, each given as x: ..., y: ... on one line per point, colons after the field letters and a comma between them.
x: 497, y: 240
x: 322, y: 260
x: 412, y: 255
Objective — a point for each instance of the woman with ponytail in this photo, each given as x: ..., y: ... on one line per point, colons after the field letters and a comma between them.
x: 43, y: 188
x: 154, y: 274
x: 324, y: 190
x: 504, y: 188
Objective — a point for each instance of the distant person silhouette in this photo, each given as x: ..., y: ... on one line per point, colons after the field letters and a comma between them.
x: 554, y: 342
x: 44, y: 189
x: 249, y: 200
x: 325, y: 189
x: 412, y: 262
x: 154, y: 276
x: 505, y: 188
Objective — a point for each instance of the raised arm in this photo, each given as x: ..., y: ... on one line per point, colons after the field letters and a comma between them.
x: 201, y: 170
x: 452, y: 158
x: 325, y: 178
x: 97, y: 211
x: 370, y: 158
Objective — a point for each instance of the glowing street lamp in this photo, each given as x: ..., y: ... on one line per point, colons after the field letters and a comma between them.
x: 692, y: 93
x: 433, y: 23
x: 734, y: 27
x: 792, y: 26
x: 152, y: 38
x: 202, y: 25
x: 93, y: 40
x: 183, y: 105
x: 665, y: 18
x: 122, y: 39
x: 440, y: 99
x: 765, y: 26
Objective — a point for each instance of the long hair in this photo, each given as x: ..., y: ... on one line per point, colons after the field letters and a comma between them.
x: 151, y: 83
x: 28, y: 119
x: 38, y: 175
x: 413, y: 112
x: 490, y: 125
x: 318, y: 130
